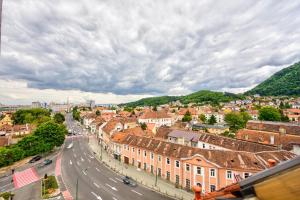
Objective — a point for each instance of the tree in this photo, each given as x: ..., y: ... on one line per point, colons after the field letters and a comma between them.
x: 154, y: 108
x: 76, y: 113
x: 33, y: 115
x: 51, y: 133
x: 98, y: 113
x: 269, y: 113
x: 59, y: 118
x: 212, y: 120
x: 144, y: 126
x: 202, y: 118
x: 187, y: 117
x: 235, y: 121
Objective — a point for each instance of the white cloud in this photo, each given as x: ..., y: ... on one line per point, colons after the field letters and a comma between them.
x: 146, y: 47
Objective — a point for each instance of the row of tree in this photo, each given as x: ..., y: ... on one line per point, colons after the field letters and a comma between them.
x: 50, y: 133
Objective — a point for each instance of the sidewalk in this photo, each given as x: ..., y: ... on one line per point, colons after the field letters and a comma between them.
x: 142, y: 177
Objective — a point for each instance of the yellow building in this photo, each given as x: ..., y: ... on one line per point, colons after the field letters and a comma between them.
x: 6, y: 120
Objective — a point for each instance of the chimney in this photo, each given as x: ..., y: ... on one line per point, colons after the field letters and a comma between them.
x: 271, y: 163
x: 197, y: 190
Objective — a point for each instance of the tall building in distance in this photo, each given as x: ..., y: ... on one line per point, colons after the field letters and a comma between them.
x: 90, y: 103
x: 36, y: 104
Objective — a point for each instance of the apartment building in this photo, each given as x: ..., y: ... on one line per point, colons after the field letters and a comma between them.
x: 187, y: 166
x: 160, y: 118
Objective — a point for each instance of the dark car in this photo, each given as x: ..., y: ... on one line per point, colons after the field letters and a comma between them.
x: 35, y: 158
x: 129, y: 181
x: 45, y: 163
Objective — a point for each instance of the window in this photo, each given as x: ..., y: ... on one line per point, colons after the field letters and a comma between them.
x: 145, y: 166
x: 168, y: 161
x: 177, y: 163
x: 133, y: 149
x: 152, y: 156
x: 212, y: 172
x: 139, y: 152
x: 128, y: 148
x: 187, y: 167
x: 246, y: 175
x: 199, y: 184
x: 229, y: 175
x: 145, y: 153
x: 187, y: 184
x: 159, y: 158
x: 212, y: 188
x: 198, y: 170
x: 203, y: 145
x: 168, y: 175
x: 177, y: 179
x: 151, y: 169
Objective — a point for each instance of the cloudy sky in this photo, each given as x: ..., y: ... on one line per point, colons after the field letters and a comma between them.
x: 116, y: 51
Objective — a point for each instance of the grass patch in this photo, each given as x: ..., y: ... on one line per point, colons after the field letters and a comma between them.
x: 49, y: 186
x: 6, y: 195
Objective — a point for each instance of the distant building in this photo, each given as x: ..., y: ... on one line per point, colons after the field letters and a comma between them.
x: 36, y: 104
x: 216, y: 129
x: 90, y: 103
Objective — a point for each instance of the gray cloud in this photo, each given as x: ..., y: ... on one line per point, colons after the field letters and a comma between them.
x: 147, y: 47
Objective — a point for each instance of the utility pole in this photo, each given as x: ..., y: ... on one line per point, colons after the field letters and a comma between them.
x: 77, y: 189
x: 156, y: 171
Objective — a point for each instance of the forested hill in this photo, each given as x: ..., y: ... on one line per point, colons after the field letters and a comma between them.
x: 286, y: 82
x: 202, y: 96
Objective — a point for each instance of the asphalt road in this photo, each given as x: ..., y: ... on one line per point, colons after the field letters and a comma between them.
x: 95, y: 181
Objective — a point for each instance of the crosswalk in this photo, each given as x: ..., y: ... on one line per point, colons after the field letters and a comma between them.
x: 75, y: 136
x: 25, y: 177
x: 67, y: 195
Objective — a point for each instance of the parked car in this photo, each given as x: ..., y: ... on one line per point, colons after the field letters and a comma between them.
x: 129, y: 181
x: 45, y: 163
x: 35, y: 158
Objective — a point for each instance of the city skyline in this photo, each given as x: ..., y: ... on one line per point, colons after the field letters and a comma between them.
x: 53, y: 50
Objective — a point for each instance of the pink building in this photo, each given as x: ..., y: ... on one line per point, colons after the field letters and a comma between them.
x: 187, y: 166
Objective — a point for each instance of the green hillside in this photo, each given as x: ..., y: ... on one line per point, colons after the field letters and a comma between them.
x: 285, y: 82
x: 202, y: 96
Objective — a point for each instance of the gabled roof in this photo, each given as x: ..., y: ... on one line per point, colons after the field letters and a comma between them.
x: 154, y: 115
x: 225, y: 159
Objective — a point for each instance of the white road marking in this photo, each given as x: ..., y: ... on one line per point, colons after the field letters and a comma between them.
x: 3, y: 179
x: 4, y: 186
x: 118, y: 179
x: 82, y: 160
x: 113, y: 188
x: 113, y: 180
x: 83, y: 171
x: 96, y: 185
x: 92, y: 157
x: 71, y: 162
x: 78, y: 163
x: 137, y: 192
x: 114, y: 198
x: 97, y: 196
x: 97, y: 169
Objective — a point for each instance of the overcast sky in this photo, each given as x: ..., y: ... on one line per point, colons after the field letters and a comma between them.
x: 119, y: 50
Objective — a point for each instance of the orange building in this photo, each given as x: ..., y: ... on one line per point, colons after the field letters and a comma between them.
x: 187, y: 166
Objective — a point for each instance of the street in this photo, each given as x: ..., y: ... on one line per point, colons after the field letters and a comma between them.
x: 95, y: 181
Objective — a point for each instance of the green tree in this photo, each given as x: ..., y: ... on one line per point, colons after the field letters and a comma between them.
x: 33, y: 115
x: 212, y: 120
x: 235, y: 121
x: 202, y: 118
x: 59, y: 118
x: 51, y: 133
x: 187, y: 117
x: 269, y: 113
x: 98, y: 113
x: 144, y: 126
x: 76, y: 113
